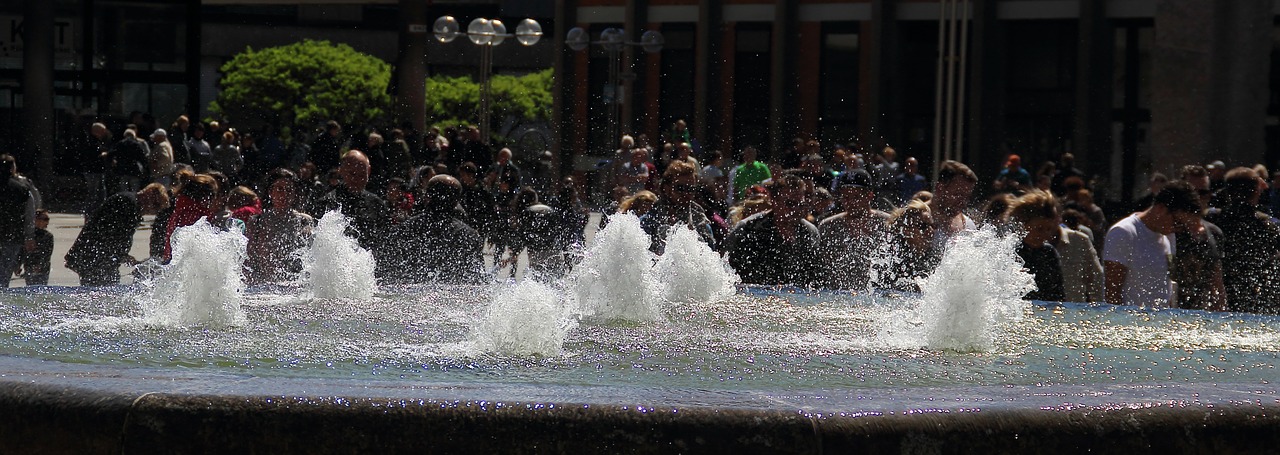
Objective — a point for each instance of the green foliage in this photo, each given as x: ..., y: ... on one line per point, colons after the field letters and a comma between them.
x: 456, y: 100
x: 303, y: 84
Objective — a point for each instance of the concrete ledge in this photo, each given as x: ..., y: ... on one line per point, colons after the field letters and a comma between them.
x: 44, y: 418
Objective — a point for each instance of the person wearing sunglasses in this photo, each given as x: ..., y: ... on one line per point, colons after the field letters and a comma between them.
x: 778, y: 246
x: 678, y: 204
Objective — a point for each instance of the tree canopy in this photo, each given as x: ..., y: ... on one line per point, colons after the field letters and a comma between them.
x: 303, y: 84
x: 456, y: 100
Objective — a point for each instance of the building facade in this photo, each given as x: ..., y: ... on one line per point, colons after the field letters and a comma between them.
x: 1129, y: 87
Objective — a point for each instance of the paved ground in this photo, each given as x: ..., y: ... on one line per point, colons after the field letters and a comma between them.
x: 65, y: 227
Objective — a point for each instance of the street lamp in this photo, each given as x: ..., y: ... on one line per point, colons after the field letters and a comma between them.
x: 486, y: 33
x: 613, y: 40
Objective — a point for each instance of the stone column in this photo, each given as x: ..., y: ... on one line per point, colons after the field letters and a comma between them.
x: 706, y: 74
x: 411, y: 65
x: 879, y: 117
x: 985, y: 103
x: 565, y: 84
x: 195, y: 30
x: 1209, y: 88
x: 37, y: 90
x: 782, y: 77
x: 635, y: 17
x: 1094, y: 70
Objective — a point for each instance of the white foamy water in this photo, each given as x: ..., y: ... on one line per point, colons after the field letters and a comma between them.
x: 689, y: 271
x: 976, y: 289
x: 614, y: 280
x: 525, y: 318
x: 202, y: 285
x: 336, y: 267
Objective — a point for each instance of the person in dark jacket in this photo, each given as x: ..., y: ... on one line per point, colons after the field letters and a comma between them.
x: 436, y: 245
x: 129, y: 162
x: 367, y: 213
x: 1036, y: 213
x: 1250, y: 245
x: 778, y: 246
x: 36, y: 258
x: 93, y: 155
x: 325, y: 149
x: 104, y: 242
x: 17, y: 217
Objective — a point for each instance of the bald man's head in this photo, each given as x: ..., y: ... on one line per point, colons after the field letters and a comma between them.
x: 443, y: 192
x: 354, y: 170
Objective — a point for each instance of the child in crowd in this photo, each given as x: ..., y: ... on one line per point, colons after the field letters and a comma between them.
x: 35, y: 263
x: 399, y: 199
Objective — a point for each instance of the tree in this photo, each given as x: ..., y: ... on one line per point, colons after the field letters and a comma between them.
x: 456, y: 100
x: 303, y: 84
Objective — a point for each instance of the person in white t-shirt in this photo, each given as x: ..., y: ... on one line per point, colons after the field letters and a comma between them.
x: 1139, y: 247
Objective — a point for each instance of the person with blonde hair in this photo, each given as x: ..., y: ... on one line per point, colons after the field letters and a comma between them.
x: 639, y: 203
x: 910, y: 238
x: 1035, y: 214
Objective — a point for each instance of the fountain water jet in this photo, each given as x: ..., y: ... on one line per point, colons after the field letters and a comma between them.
x: 976, y: 289
x: 202, y: 285
x: 336, y: 267
x: 614, y: 280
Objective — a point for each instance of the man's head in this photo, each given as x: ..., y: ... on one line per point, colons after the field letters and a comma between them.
x: 354, y: 170
x: 98, y: 130
x: 853, y: 192
x: 680, y: 183
x: 1198, y: 177
x: 1014, y: 162
x: 282, y: 188
x: 42, y: 219
x: 749, y: 154
x: 627, y: 142
x: 1241, y: 187
x: 1067, y: 161
x: 374, y: 140
x: 683, y: 150
x: 159, y: 135
x: 638, y: 156
x: 953, y: 188
x: 153, y: 198
x: 504, y: 156
x: 331, y: 127
x: 911, y: 166
x: 787, y: 193
x: 467, y: 173
x: 1157, y: 182
x: 8, y: 166
x: 1217, y: 170
x: 1037, y: 213
x: 889, y: 154
x: 442, y: 193
x: 1175, y: 207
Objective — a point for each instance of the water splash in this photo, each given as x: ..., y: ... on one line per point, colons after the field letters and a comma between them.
x: 523, y: 319
x: 976, y: 289
x: 690, y: 271
x: 202, y: 285
x: 614, y: 281
x: 336, y: 267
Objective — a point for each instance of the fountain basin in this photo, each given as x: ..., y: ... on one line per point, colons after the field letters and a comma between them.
x: 767, y: 371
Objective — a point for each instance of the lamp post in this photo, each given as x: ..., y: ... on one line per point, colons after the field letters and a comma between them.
x: 613, y: 40
x: 486, y: 33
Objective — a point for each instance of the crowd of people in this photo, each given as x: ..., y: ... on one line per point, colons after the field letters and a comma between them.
x: 429, y: 205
